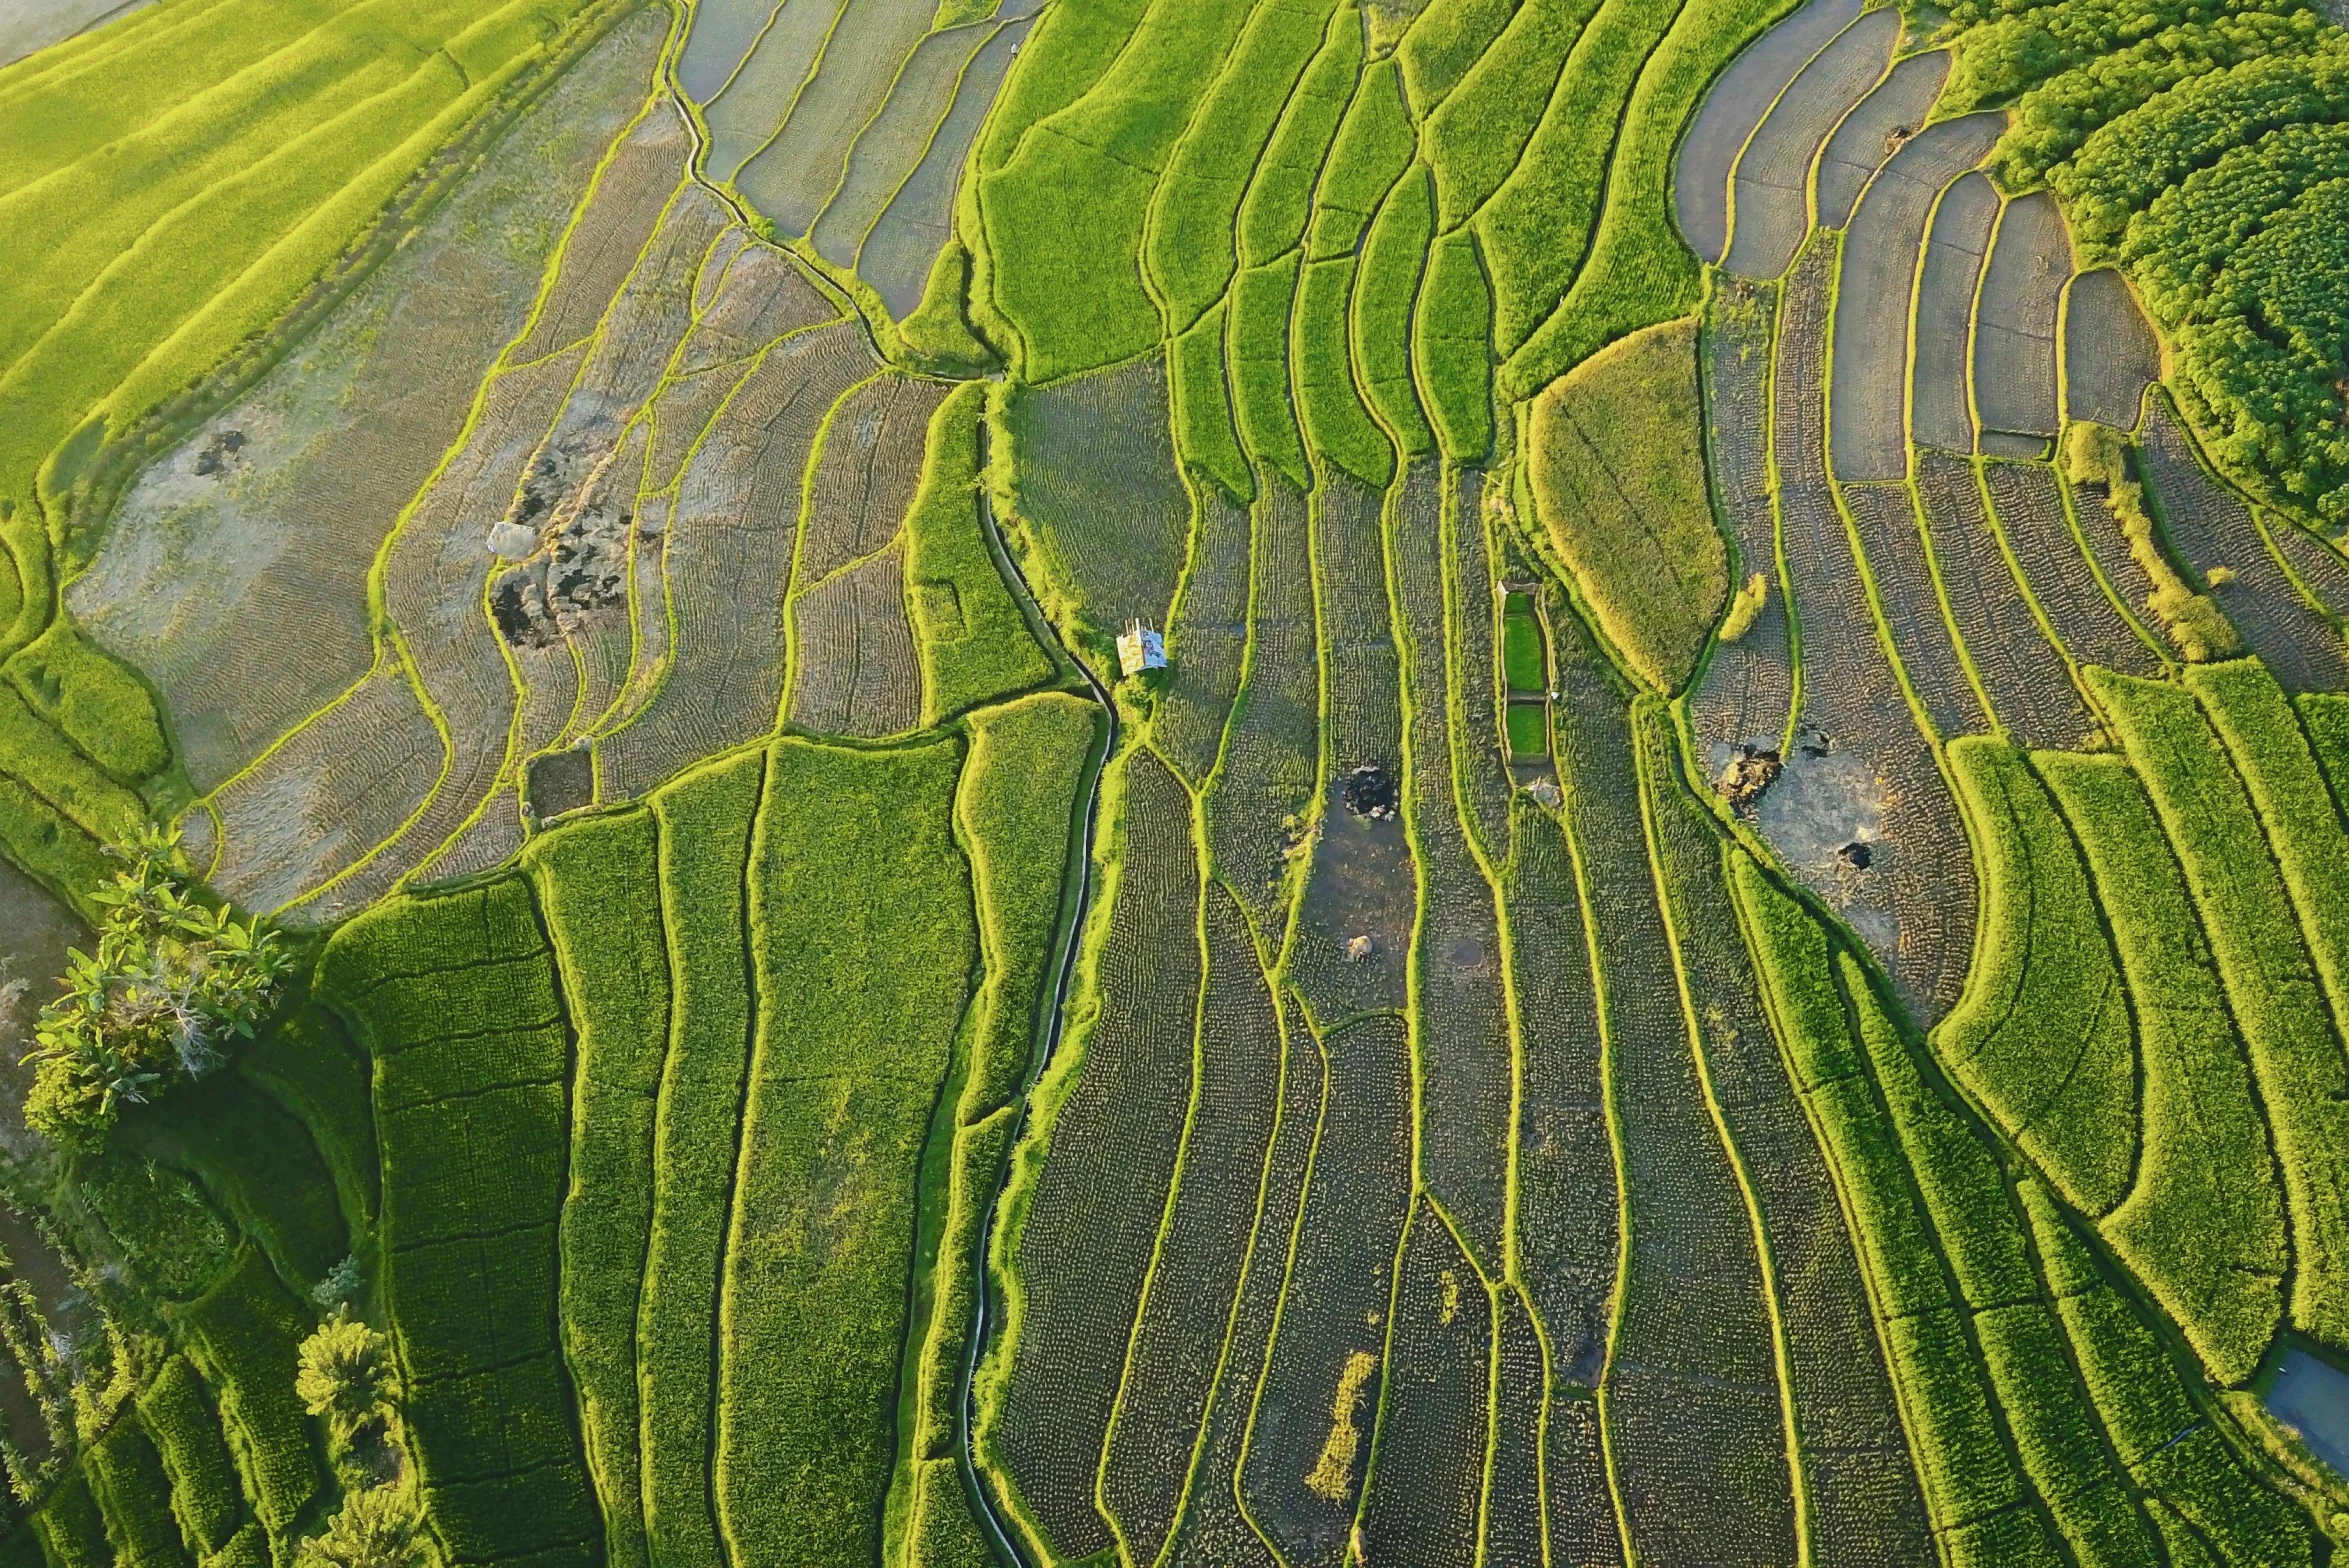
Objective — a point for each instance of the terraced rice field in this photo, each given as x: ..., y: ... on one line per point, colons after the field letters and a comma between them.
x: 1722, y: 942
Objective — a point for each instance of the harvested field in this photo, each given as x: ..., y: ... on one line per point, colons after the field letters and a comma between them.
x: 1085, y: 1244
x: 2110, y: 352
x: 905, y: 239
x: 2318, y: 565
x: 40, y: 23
x: 484, y: 845
x: 1461, y: 1028
x: 1213, y: 1533
x: 1733, y: 107
x: 854, y: 668
x: 2029, y: 505
x: 888, y: 148
x: 1860, y: 771
x: 1770, y: 205
x: 2015, y: 319
x: 632, y: 192
x: 1583, y: 1524
x: 1885, y: 517
x: 681, y: 417
x: 558, y: 782
x: 1860, y: 1483
x: 1515, y: 1511
x: 1748, y: 684
x: 2030, y: 691
x: 1478, y: 685
x: 1693, y: 1329
x: 1427, y: 1477
x: 727, y: 550
x: 866, y: 470
x: 1097, y: 489
x: 721, y: 38
x: 763, y: 295
x: 288, y: 510
x: 1178, y: 1342
x: 1256, y: 814
x: 1566, y: 1214
x: 2210, y: 528
x: 1880, y: 255
x: 792, y: 177
x: 1311, y: 1436
x: 1208, y: 638
x: 747, y: 113
x: 1361, y: 883
x: 1874, y: 130
x: 1941, y: 411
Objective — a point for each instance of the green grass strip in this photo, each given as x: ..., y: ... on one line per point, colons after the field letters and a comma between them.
x: 134, y: 1497
x: 177, y: 1412
x: 1394, y: 256
x: 2204, y: 1225
x: 1204, y: 434
x: 1260, y: 368
x: 93, y: 701
x: 1280, y: 195
x: 243, y: 1334
x: 2263, y: 735
x: 1190, y: 248
x: 1537, y: 227
x: 2042, y: 1034
x: 1445, y: 41
x: 1451, y: 337
x: 1336, y: 424
x: 1476, y: 136
x: 863, y: 941
x: 1638, y: 272
x: 1065, y: 215
x: 2264, y: 965
x: 975, y: 644
x: 1059, y: 63
x: 599, y: 883
x: 1374, y: 145
x: 705, y: 828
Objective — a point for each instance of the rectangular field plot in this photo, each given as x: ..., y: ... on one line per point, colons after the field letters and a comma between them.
x: 2211, y: 528
x: 1098, y: 491
x: 1880, y: 257
x: 1885, y: 517
x: 1941, y: 410
x: 904, y: 241
x: 2015, y: 318
x: 1733, y: 107
x: 1770, y: 205
x: 1873, y: 131
x: 1748, y: 684
x: 1427, y: 1475
x: 1255, y: 814
x: 1084, y: 1248
x: 2029, y: 505
x: 1566, y: 1238
x: 856, y: 671
x: 2110, y: 352
x: 1186, y: 1307
x: 1361, y: 882
x: 2030, y: 690
x: 1311, y: 1437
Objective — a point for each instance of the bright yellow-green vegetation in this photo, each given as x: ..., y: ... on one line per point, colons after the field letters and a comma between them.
x: 1618, y: 476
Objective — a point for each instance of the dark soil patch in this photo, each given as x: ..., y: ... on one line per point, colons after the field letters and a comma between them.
x: 563, y: 781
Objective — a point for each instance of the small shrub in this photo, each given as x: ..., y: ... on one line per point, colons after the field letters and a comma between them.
x: 1743, y: 608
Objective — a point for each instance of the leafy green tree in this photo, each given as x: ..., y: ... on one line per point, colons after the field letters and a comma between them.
x: 346, y: 1375
x: 379, y: 1527
x: 172, y: 981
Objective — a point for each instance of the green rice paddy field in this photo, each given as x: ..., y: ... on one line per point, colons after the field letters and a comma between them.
x: 1722, y: 940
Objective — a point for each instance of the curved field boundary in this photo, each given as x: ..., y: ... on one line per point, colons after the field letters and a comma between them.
x: 1733, y: 108
x: 1769, y: 203
x: 1878, y: 124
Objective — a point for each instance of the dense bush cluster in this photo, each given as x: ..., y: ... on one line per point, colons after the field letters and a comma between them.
x: 171, y: 982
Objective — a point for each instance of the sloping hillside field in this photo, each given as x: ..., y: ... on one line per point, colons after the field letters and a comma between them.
x: 1174, y: 783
